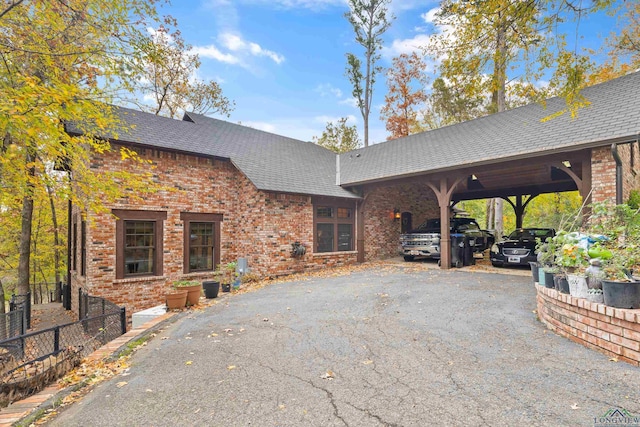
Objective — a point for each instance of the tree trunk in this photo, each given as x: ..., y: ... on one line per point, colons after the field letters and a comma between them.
x: 25, y: 231
x: 499, y: 99
x: 56, y: 241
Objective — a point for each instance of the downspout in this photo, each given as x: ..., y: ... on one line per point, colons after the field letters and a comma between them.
x: 616, y: 157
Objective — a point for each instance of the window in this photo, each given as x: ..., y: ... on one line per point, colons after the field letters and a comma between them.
x: 201, y: 241
x: 334, y: 226
x: 139, y: 243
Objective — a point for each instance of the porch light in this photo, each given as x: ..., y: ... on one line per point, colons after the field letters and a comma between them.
x: 396, y: 214
x: 567, y: 163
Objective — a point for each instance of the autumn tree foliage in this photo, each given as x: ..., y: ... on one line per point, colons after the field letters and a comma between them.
x: 339, y: 137
x: 59, y: 62
x: 165, y: 70
x: 406, y: 82
x: 370, y: 19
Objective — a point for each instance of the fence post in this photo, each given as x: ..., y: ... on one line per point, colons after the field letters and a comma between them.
x: 123, y: 320
x: 56, y: 339
x: 23, y: 322
x: 28, y: 310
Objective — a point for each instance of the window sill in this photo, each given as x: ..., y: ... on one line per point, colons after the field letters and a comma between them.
x: 200, y: 274
x: 140, y: 279
x: 322, y: 254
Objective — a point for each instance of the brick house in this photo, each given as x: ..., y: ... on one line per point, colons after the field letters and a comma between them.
x: 231, y: 191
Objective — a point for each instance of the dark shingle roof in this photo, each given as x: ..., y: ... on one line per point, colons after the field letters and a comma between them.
x: 272, y: 162
x: 614, y: 113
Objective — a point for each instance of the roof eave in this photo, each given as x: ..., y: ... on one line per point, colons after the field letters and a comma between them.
x: 634, y: 137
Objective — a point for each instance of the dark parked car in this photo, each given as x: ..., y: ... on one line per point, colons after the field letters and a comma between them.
x: 520, y: 247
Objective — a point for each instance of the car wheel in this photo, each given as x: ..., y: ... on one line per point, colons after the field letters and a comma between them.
x: 408, y: 258
x: 458, y: 264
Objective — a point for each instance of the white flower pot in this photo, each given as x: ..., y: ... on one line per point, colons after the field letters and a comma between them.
x: 577, y: 285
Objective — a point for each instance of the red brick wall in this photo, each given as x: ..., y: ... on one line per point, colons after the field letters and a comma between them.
x: 257, y: 225
x: 603, y: 172
x: 612, y: 331
x: 382, y: 233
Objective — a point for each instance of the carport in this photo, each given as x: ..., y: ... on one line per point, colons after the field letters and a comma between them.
x: 522, y: 152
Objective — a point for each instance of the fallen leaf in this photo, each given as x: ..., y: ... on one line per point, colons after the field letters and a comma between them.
x: 149, y: 390
x: 368, y: 362
x: 242, y: 329
x: 575, y: 406
x: 327, y: 375
x: 189, y: 362
x: 228, y: 330
x: 187, y: 338
x: 213, y: 334
x: 266, y: 319
x: 281, y: 407
x: 231, y: 367
x: 613, y: 359
x: 164, y: 338
x: 121, y: 384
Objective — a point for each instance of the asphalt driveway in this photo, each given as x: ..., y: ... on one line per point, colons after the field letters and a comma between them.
x: 394, y: 345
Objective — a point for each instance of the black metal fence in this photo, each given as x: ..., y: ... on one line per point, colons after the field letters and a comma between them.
x: 12, y: 324
x: 23, y: 303
x: 30, y: 361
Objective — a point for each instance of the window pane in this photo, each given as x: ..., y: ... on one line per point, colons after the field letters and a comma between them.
x: 139, y: 247
x: 324, y: 237
x: 344, y: 213
x: 324, y: 212
x: 345, y: 237
x: 200, y: 246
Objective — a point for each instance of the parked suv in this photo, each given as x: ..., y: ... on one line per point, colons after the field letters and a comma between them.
x: 520, y: 247
x: 424, y: 241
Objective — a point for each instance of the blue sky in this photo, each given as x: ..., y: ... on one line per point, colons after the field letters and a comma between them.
x: 283, y: 61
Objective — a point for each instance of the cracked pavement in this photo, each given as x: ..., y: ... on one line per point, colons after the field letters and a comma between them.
x: 388, y: 346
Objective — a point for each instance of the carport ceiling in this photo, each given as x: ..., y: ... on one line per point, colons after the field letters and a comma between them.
x: 520, y: 178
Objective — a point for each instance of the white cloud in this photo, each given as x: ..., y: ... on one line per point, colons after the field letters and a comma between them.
x: 236, y: 43
x: 267, y: 127
x: 351, y: 102
x: 326, y: 89
x: 213, y: 52
x: 408, y: 46
x: 430, y: 15
x: 237, y: 51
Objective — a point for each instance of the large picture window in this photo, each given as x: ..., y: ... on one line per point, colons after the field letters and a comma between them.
x: 201, y: 241
x: 334, y: 226
x: 139, y: 243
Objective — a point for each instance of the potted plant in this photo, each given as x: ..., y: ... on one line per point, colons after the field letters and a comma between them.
x: 621, y: 227
x: 228, y: 275
x: 176, y: 299
x: 595, y: 295
x: 572, y: 258
x: 193, y: 288
x: 211, y: 288
x: 546, y: 255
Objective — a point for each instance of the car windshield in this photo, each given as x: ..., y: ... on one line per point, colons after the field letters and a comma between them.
x: 530, y: 234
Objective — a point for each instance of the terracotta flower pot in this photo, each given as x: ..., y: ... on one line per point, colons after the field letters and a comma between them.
x: 194, y: 291
x: 176, y: 299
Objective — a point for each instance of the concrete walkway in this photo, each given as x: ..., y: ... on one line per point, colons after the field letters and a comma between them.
x: 397, y: 345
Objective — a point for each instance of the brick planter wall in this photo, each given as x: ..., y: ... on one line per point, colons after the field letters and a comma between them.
x: 612, y: 331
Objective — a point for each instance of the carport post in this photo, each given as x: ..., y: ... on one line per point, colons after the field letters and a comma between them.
x: 443, y: 193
